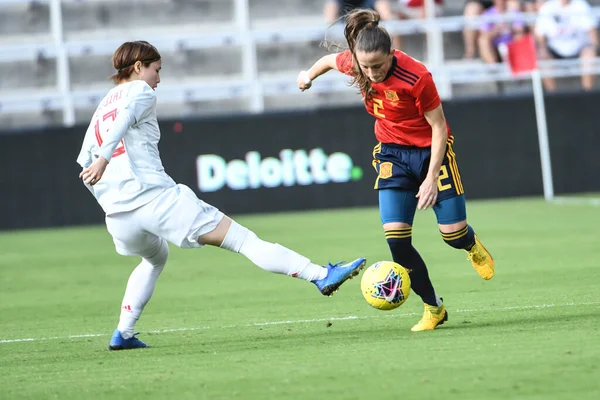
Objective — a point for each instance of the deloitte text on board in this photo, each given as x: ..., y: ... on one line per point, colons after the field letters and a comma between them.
x: 293, y: 167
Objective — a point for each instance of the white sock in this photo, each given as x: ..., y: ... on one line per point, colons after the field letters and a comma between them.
x: 269, y: 256
x: 140, y: 288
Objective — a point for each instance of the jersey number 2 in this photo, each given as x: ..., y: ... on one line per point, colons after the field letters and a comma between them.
x: 378, y: 105
x: 111, y: 115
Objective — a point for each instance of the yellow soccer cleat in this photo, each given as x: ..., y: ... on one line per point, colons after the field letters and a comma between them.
x: 481, y: 259
x: 432, y: 317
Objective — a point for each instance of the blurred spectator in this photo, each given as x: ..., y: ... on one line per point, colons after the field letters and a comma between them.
x: 473, y: 8
x: 494, y: 36
x: 532, y: 6
x: 36, y: 11
x: 566, y: 29
x: 336, y: 9
x: 415, y: 9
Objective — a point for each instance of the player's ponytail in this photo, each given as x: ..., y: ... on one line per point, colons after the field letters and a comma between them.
x: 363, y: 33
x: 128, y: 54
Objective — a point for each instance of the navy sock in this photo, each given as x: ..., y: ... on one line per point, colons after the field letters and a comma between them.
x: 461, y: 239
x: 403, y: 253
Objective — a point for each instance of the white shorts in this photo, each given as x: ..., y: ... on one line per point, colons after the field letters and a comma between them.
x: 176, y: 215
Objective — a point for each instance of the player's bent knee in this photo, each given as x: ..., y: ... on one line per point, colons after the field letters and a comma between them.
x: 449, y: 228
x: 458, y: 236
x: 124, y: 252
x: 159, y: 258
x: 395, y: 225
x: 217, y: 235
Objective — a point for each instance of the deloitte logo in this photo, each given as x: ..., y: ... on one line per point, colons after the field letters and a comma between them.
x: 293, y: 167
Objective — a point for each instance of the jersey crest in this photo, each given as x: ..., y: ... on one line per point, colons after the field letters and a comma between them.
x: 391, y: 95
x: 385, y: 170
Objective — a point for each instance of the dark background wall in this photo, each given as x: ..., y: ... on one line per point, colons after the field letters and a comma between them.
x: 496, y: 145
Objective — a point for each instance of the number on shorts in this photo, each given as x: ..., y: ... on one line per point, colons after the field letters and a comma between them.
x: 443, y: 175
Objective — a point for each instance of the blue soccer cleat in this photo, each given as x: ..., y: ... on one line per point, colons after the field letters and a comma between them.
x: 117, y: 342
x: 338, y: 274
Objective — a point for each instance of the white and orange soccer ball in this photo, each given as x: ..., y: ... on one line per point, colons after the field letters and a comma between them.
x: 385, y: 285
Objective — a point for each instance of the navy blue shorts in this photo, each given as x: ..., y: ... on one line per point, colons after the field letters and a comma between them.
x: 405, y: 167
x: 400, y: 172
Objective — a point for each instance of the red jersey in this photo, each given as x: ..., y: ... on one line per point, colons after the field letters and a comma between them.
x: 400, y: 101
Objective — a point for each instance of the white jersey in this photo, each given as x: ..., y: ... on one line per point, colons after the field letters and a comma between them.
x: 565, y: 27
x: 125, y: 131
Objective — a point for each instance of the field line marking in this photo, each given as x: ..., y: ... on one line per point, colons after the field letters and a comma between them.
x: 305, y: 321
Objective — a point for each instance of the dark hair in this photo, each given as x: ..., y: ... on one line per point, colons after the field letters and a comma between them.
x: 128, y: 54
x: 363, y: 33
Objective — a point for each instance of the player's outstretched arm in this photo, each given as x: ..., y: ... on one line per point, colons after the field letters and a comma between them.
x: 323, y: 65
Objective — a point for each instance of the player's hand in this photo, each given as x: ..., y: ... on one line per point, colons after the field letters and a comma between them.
x: 427, y: 195
x: 303, y: 81
x: 92, y: 174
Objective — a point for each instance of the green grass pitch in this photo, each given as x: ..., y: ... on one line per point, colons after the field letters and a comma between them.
x: 221, y: 328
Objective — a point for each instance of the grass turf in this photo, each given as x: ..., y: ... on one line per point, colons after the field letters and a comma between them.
x: 221, y: 328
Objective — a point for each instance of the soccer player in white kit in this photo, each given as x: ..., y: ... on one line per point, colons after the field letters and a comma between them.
x: 145, y: 208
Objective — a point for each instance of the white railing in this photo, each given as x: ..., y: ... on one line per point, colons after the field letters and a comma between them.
x: 251, y: 85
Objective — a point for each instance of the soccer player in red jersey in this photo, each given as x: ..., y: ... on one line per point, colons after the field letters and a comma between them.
x: 414, y: 159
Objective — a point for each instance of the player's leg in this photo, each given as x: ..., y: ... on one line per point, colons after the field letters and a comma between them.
x: 398, y: 185
x: 457, y: 233
x: 276, y: 258
x: 131, y: 240
x: 451, y: 213
x: 397, y: 210
x: 189, y: 223
x: 269, y: 256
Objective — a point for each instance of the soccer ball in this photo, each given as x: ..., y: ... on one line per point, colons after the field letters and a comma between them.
x: 385, y: 285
